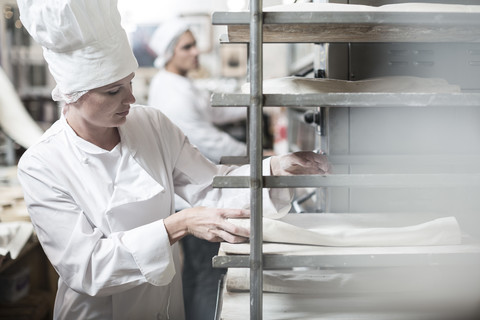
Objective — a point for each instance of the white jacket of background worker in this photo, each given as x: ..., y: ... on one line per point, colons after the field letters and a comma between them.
x: 189, y: 108
x: 117, y: 263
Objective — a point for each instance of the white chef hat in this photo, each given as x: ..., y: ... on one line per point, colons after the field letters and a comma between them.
x: 83, y: 42
x: 165, y: 38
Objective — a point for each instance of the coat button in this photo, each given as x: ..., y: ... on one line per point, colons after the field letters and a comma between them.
x: 85, y: 160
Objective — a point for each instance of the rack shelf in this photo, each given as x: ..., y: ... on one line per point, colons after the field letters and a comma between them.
x: 359, y: 26
x: 356, y: 181
x: 360, y: 257
x: 361, y: 100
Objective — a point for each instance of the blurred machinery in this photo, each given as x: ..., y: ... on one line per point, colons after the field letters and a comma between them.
x: 22, y: 62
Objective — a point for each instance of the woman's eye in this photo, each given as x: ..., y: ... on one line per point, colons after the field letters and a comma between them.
x: 112, y: 93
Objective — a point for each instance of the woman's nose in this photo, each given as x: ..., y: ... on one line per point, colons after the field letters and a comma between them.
x: 130, y: 98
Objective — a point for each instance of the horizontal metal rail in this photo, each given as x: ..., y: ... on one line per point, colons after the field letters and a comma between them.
x: 353, y: 100
x: 356, y: 260
x: 356, y: 181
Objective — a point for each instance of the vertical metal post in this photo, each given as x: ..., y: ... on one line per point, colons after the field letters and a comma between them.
x: 255, y: 154
x: 322, y: 203
x: 319, y: 69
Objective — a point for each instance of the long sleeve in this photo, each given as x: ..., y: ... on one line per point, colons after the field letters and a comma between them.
x: 191, y: 111
x: 91, y: 254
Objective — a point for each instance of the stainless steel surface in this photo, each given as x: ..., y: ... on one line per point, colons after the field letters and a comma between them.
x: 458, y: 63
x: 256, y: 153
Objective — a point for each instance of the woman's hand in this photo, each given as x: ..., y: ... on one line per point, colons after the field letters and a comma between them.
x: 207, y: 223
x: 299, y: 163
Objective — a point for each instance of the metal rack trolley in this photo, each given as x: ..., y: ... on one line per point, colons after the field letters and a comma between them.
x: 257, y: 27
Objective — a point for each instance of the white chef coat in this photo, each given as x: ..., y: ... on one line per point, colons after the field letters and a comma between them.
x: 98, y: 214
x: 189, y: 108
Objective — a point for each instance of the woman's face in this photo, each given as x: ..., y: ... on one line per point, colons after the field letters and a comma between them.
x: 104, y: 107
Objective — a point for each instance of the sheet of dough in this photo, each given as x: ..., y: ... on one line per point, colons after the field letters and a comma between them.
x: 14, y: 119
x: 440, y: 231
x: 393, y: 84
x: 399, y: 7
x: 358, y: 280
x: 280, y: 306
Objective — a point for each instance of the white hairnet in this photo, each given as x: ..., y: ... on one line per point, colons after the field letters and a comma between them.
x: 83, y: 42
x: 165, y: 38
x: 72, y: 97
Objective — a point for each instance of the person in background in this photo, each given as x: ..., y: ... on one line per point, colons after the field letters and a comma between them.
x: 176, y: 95
x: 99, y: 184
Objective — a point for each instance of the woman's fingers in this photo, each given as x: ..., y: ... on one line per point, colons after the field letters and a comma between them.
x: 212, y: 224
x: 299, y: 163
x: 229, y: 231
x: 224, y: 235
x: 234, y: 213
x: 311, y: 162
